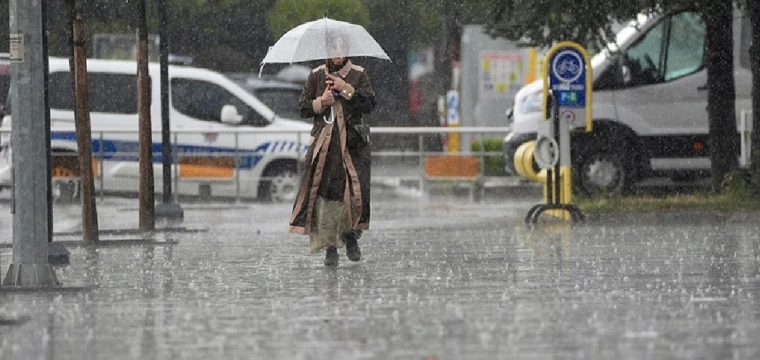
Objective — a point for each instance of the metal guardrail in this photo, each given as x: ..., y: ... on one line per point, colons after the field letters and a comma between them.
x: 418, y: 155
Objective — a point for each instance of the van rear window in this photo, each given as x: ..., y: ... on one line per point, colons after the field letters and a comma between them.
x: 109, y: 93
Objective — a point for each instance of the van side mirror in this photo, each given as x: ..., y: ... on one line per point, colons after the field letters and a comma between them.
x: 624, y: 70
x: 230, y: 115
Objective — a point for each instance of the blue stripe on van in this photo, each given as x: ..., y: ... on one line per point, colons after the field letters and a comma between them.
x: 123, y: 150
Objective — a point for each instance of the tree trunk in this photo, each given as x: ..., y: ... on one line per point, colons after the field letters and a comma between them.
x: 753, y: 11
x: 84, y: 135
x: 721, y: 98
x: 147, y: 205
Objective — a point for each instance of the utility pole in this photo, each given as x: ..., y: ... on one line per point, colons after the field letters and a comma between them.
x: 147, y: 204
x: 84, y: 131
x: 30, y: 133
x: 167, y: 209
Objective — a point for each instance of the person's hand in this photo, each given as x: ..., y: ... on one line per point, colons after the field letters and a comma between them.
x: 327, y: 98
x: 336, y: 82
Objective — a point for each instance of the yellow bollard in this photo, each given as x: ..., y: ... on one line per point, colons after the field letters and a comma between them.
x: 565, y: 196
x: 524, y: 161
x: 524, y: 165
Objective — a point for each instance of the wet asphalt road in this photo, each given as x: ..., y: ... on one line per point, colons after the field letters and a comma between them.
x: 443, y: 277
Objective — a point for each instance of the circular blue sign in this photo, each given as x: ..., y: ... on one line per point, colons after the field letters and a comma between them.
x: 567, y: 66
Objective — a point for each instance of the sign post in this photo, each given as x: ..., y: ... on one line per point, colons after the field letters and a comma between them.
x: 168, y: 209
x: 570, y: 79
x: 567, y: 105
x: 452, y: 118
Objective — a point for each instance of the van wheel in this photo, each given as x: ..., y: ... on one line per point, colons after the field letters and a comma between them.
x: 280, y: 184
x: 604, y: 173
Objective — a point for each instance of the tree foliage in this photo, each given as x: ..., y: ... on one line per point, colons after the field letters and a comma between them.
x: 288, y: 14
x: 542, y: 22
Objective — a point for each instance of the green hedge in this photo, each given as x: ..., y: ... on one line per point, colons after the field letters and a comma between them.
x: 494, y: 164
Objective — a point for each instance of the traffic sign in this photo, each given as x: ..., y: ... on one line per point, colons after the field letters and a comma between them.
x: 566, y: 77
x: 452, y: 107
x: 569, y: 78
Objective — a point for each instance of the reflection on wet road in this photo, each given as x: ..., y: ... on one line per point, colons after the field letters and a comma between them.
x: 458, y: 280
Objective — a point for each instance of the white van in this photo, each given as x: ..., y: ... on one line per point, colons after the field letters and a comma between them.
x: 649, y: 108
x: 214, y: 120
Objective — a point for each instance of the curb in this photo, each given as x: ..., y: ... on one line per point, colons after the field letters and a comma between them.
x: 672, y: 218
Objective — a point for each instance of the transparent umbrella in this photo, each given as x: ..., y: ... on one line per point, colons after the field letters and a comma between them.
x: 294, y: 73
x: 323, y: 39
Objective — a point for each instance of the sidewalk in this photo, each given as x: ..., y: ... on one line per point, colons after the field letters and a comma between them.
x: 445, y: 277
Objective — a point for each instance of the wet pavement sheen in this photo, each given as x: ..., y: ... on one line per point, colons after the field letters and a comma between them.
x: 449, y: 278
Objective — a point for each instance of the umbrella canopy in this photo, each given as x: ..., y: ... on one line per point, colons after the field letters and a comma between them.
x: 324, y: 39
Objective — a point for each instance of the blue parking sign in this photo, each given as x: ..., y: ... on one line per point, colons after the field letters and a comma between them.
x: 452, y: 107
x: 567, y: 77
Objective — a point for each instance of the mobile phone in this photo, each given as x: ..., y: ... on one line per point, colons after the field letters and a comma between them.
x: 335, y: 93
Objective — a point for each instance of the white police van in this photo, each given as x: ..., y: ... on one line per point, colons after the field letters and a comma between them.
x: 213, y: 122
x: 649, y: 106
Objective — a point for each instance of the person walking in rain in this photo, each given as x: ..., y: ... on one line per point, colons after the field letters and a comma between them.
x: 333, y: 202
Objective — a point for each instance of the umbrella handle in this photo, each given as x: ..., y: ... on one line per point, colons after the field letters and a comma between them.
x: 332, y: 117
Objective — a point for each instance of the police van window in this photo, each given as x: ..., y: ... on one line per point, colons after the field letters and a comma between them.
x: 203, y: 100
x: 686, y: 45
x: 746, y: 42
x: 644, y: 58
x: 108, y: 93
x: 284, y: 102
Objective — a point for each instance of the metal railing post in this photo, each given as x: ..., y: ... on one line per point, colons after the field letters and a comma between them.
x: 101, y: 168
x: 421, y: 160
x: 298, y: 154
x: 176, y: 161
x: 480, y: 181
x: 237, y: 168
x: 481, y: 155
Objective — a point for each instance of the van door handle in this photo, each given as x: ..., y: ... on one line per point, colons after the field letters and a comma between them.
x: 702, y: 87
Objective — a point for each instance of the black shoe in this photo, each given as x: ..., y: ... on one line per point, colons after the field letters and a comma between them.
x: 352, y: 246
x: 331, y: 258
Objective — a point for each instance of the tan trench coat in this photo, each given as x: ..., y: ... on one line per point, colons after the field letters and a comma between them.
x: 337, y: 166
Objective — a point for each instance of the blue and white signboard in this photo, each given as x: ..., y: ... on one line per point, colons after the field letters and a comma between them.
x: 452, y: 108
x: 569, y: 77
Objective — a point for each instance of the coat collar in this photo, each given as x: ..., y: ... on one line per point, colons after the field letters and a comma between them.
x: 343, y: 72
